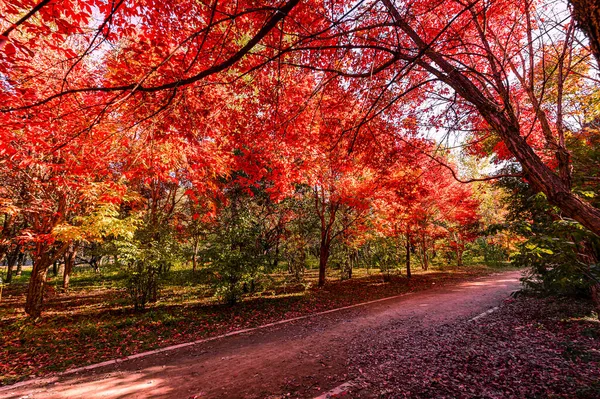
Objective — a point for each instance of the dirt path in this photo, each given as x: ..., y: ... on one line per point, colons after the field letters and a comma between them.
x: 303, y: 358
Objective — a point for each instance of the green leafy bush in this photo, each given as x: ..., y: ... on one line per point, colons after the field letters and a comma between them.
x: 147, y: 259
x: 492, y: 254
x: 383, y: 254
x: 235, y: 250
x: 559, y: 253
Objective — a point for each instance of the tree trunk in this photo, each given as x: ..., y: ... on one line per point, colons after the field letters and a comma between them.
x: 504, y: 121
x: 3, y: 251
x: 194, y: 263
x: 537, y: 173
x: 11, y: 260
x: 323, y: 257
x: 195, y: 255
x: 459, y: 253
x: 20, y: 261
x: 587, y: 15
x: 424, y: 252
x: 352, y: 262
x: 5, y: 235
x: 276, y: 260
x: 69, y: 263
x: 368, y: 251
x: 95, y: 263
x: 408, y: 273
x: 43, y: 257
x: 35, y: 291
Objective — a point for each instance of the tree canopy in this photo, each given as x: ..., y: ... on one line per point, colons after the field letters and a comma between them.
x: 113, y: 114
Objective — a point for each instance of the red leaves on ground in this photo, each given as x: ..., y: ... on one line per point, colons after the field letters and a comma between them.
x: 83, y: 329
x: 529, y: 348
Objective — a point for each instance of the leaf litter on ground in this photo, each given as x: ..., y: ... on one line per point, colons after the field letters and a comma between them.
x: 529, y: 348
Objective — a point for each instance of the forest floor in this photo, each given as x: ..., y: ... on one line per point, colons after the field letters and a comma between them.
x: 302, y: 358
x: 461, y: 339
x: 529, y: 348
x: 94, y: 322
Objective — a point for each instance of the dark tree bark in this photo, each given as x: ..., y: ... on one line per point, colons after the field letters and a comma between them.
x: 276, y: 258
x: 11, y: 261
x: 503, y: 119
x: 424, y: 252
x: 323, y: 258
x: 20, y: 261
x: 43, y: 257
x: 35, y: 291
x: 5, y: 235
x: 195, y: 254
x: 459, y: 256
x: 408, y: 272
x: 69, y: 259
x: 587, y: 15
x: 351, y: 263
x: 327, y: 215
x: 95, y: 263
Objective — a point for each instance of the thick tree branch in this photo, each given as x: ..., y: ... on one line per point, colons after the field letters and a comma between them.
x: 271, y: 23
x: 34, y: 10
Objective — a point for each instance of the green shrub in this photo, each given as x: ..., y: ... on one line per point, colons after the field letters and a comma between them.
x: 493, y: 255
x: 147, y: 259
x: 235, y: 252
x: 142, y: 283
x: 559, y: 253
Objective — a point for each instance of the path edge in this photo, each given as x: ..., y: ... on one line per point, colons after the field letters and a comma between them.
x: 55, y: 377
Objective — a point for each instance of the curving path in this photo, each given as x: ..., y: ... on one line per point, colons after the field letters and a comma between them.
x: 302, y: 358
